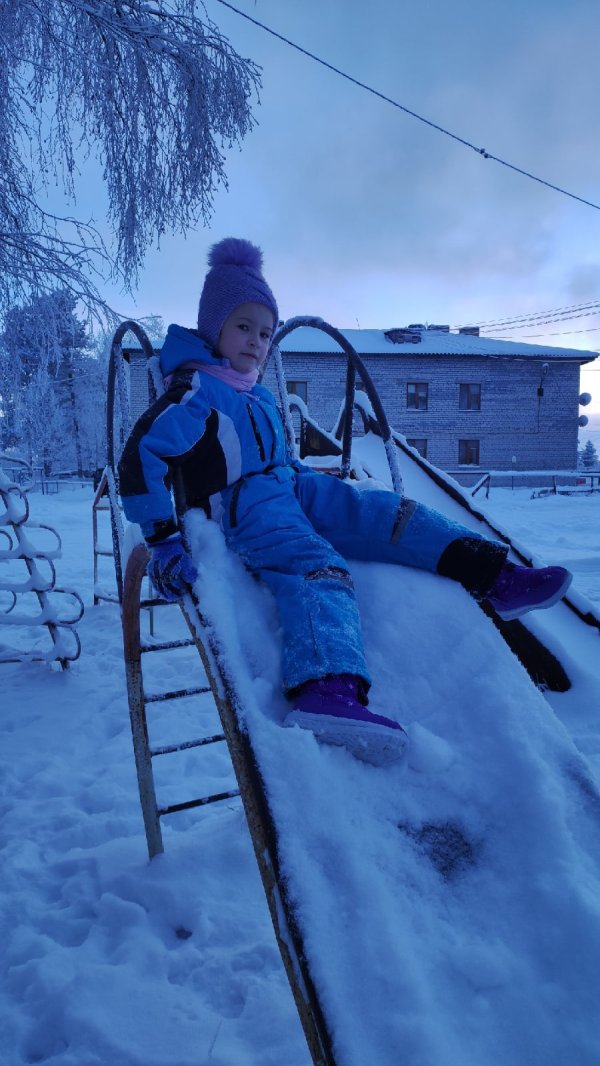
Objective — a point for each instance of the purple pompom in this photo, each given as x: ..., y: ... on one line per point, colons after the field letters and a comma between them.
x: 235, y: 251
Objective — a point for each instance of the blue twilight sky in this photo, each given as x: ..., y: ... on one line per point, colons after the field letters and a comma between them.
x: 368, y: 216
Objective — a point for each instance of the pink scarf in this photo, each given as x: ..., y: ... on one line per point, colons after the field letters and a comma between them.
x: 226, y: 374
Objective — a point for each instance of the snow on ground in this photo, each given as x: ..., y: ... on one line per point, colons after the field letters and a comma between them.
x: 110, y: 960
x: 560, y: 529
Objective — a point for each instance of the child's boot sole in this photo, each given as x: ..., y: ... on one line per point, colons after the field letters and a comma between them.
x: 516, y: 612
x: 371, y: 743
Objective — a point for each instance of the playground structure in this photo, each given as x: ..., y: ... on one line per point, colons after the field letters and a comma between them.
x: 43, y: 629
x: 130, y: 559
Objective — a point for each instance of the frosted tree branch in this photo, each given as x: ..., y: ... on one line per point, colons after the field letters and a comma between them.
x: 153, y: 91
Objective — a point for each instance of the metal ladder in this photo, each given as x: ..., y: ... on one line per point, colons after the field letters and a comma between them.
x: 139, y: 699
x: 99, y: 506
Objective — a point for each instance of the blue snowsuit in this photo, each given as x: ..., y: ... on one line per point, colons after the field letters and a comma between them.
x: 292, y: 527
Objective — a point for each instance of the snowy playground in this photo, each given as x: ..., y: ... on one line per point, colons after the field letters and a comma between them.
x: 110, y: 959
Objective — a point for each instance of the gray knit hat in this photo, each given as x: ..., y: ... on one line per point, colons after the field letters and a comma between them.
x: 235, y: 277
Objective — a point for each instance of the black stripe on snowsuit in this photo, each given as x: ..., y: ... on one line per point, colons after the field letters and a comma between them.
x: 205, y: 455
x: 132, y: 481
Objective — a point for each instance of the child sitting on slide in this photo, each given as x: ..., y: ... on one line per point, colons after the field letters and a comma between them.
x: 293, y: 528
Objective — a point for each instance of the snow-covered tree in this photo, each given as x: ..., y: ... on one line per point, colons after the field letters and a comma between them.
x: 8, y: 393
x: 588, y: 456
x: 43, y: 426
x: 151, y: 90
x: 44, y: 366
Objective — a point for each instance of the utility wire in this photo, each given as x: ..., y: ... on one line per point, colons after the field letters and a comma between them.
x: 531, y: 323
x: 563, y: 333
x: 551, y: 313
x: 388, y: 99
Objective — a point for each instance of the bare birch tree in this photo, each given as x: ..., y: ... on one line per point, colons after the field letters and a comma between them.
x: 150, y: 89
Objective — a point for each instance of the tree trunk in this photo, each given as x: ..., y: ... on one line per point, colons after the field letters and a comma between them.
x: 73, y: 405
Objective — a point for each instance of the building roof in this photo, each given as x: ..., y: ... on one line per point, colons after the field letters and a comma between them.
x: 426, y: 341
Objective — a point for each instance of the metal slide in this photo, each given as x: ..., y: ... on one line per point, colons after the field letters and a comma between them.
x: 301, y: 800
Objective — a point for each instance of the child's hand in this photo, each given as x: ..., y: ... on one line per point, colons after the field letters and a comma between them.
x: 171, y: 569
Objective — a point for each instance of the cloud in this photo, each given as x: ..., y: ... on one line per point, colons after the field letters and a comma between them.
x: 363, y: 211
x: 583, y: 282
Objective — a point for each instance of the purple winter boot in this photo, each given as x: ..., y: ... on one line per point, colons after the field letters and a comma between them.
x: 331, y: 709
x: 519, y: 589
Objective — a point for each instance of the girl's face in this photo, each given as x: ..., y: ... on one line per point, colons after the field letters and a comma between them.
x: 245, y: 337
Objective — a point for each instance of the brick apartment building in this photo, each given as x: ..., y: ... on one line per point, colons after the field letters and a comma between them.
x: 462, y: 400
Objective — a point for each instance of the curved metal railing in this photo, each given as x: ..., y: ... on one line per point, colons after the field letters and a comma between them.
x: 355, y: 366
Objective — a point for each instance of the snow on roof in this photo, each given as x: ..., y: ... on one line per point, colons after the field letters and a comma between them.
x: 432, y: 342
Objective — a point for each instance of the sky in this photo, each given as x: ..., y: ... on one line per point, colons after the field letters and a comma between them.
x: 369, y: 217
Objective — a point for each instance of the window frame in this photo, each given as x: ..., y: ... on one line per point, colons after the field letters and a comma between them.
x: 414, y: 442
x: 465, y: 445
x: 292, y: 390
x: 469, y: 395
x: 416, y: 395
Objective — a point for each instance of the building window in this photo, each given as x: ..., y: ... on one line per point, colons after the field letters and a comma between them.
x: 469, y: 397
x: 468, y: 453
x: 417, y: 395
x: 298, y: 388
x: 419, y: 443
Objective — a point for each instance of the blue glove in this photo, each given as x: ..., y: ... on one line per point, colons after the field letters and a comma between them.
x: 171, y: 569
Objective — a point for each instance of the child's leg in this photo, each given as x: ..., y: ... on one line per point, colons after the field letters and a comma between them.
x: 312, y: 586
x: 379, y: 526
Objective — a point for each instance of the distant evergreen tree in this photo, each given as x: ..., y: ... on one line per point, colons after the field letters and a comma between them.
x: 589, y: 456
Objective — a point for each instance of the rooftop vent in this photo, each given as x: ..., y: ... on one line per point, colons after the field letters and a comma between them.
x: 469, y: 331
x: 405, y: 335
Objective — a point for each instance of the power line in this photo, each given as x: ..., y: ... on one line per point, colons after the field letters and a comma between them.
x: 548, y: 315
x: 563, y: 333
x: 388, y: 99
x: 525, y: 324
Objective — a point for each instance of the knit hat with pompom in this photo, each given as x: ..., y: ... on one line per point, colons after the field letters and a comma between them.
x: 234, y: 278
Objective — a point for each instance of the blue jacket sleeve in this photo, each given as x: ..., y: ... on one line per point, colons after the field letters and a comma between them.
x: 164, y: 433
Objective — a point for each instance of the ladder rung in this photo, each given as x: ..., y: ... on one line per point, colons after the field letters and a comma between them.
x: 176, y: 695
x: 107, y: 596
x: 103, y: 551
x: 168, y: 749
x: 197, y: 803
x: 167, y: 645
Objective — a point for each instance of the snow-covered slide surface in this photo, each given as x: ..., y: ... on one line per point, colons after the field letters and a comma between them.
x: 575, y: 643
x: 450, y: 908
